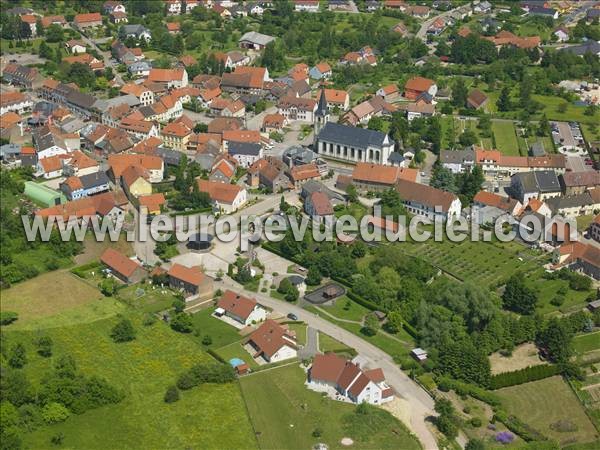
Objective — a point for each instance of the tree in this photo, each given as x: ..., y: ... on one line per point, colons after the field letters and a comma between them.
x: 82, y: 75
x: 467, y: 138
x: 459, y: 93
x: 352, y: 193
x: 562, y: 107
x: 292, y: 294
x: 55, y: 33
x: 371, y: 325
x: 313, y: 278
x: 172, y: 394
x: 108, y: 287
x: 17, y: 357
x: 504, y: 103
x: 375, y: 123
x: 45, y: 346
x: 475, y: 444
x: 45, y: 51
x: 394, y: 322
x: 544, y: 128
x: 182, y: 323
x: 555, y: 339
x: 443, y: 178
x: 391, y: 203
x: 447, y: 421
x: 54, y: 413
x: 518, y: 297
x: 123, y: 331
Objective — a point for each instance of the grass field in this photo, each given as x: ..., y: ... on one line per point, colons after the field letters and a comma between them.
x: 506, y: 139
x: 56, y: 299
x: 329, y: 344
x: 587, y: 342
x: 285, y: 414
x: 550, y: 407
x: 205, y: 417
x: 221, y: 333
x: 300, y: 329
x: 344, y: 308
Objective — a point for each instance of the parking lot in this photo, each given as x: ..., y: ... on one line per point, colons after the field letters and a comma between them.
x: 567, y: 137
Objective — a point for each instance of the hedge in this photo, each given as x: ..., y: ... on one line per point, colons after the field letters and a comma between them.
x: 518, y: 427
x: 531, y: 373
x: 215, y: 355
x: 361, y: 301
x: 463, y: 388
x: 80, y: 271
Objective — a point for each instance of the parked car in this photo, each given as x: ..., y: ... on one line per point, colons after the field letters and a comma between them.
x: 292, y: 316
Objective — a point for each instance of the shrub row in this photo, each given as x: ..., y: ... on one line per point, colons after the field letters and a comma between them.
x: 212, y: 372
x: 519, y: 427
x: 461, y: 388
x: 531, y: 373
x: 81, y: 271
x: 361, y: 301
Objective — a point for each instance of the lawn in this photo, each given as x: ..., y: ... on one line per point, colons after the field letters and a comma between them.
x: 220, y: 333
x: 547, y: 289
x: 94, y: 249
x: 146, y: 297
x: 205, y: 417
x: 235, y: 350
x: 587, y: 342
x: 300, y: 329
x: 329, y: 344
x: 506, y: 139
x: 583, y: 222
x: 344, y: 308
x: 552, y: 408
x: 69, y: 300
x: 285, y: 414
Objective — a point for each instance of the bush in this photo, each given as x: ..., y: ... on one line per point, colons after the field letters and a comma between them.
x: 206, y: 373
x: 182, y: 323
x: 45, y: 346
x: 476, y: 422
x: 206, y: 340
x: 54, y: 413
x: 123, y: 331
x: 108, y: 287
x: 172, y: 394
x: 8, y: 317
x: 17, y: 357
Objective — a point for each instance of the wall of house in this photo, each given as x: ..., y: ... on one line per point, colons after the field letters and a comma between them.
x: 283, y: 353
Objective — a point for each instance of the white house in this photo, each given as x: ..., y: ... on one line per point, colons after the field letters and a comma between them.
x: 273, y: 342
x: 75, y: 47
x: 225, y: 197
x: 246, y: 153
x: 243, y: 310
x: 333, y: 374
x: 422, y: 200
x: 311, y: 6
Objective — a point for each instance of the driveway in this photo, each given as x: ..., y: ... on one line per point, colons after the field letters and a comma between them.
x: 106, y: 56
x: 311, y: 348
x: 419, y: 402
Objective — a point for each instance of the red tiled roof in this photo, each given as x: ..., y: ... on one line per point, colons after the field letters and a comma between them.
x: 380, y: 174
x: 118, y: 262
x: 270, y: 337
x: 221, y: 192
x: 327, y: 367
x: 86, y: 18
x: 304, y: 172
x: 237, y: 304
x: 419, y: 84
x: 191, y: 275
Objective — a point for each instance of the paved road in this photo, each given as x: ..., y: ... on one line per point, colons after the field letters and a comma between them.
x: 312, y: 344
x: 422, y: 33
x: 106, y: 56
x: 573, y: 16
x: 420, y: 402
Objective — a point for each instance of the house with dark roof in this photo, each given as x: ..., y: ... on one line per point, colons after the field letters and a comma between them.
x: 268, y: 173
x: 191, y: 281
x: 272, y: 342
x: 576, y: 205
x: 333, y: 374
x: 241, y: 309
x: 255, y: 40
x: 578, y: 182
x: 539, y: 184
x: 477, y: 99
x: 580, y: 257
x: 76, y: 187
x: 458, y: 161
x: 246, y: 153
x: 122, y: 267
x: 351, y: 144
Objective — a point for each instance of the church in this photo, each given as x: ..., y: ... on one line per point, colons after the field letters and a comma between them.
x: 347, y: 143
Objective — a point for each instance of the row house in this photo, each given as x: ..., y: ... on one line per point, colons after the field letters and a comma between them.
x: 297, y: 108
x: 16, y: 102
x: 176, y: 135
x: 246, y: 80
x: 170, y: 78
x: 75, y: 187
x: 426, y: 201
x: 87, y: 20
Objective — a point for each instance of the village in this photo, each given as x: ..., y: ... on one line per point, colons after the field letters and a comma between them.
x: 444, y: 111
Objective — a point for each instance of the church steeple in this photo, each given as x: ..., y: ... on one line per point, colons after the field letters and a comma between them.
x: 321, y: 117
